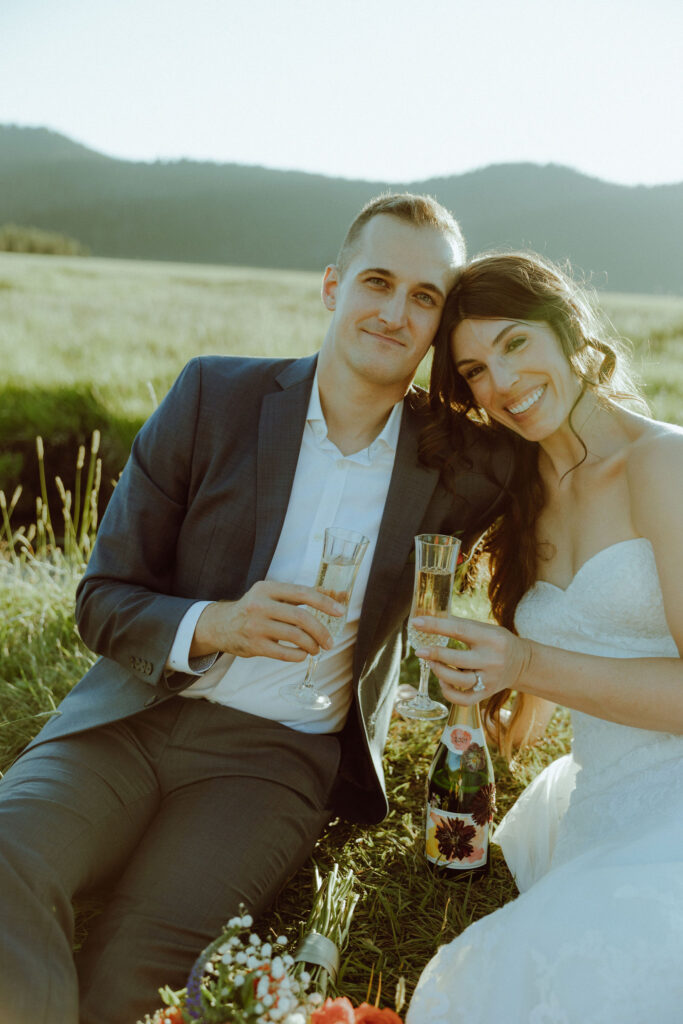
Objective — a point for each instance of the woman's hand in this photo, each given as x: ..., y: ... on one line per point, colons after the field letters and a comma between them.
x: 495, y: 658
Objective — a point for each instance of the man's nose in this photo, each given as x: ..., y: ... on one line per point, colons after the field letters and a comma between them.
x: 394, y: 309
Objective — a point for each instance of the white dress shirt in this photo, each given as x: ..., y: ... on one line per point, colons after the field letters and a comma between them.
x: 329, y: 489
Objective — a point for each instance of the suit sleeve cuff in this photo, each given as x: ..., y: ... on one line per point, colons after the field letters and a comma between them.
x: 179, y: 659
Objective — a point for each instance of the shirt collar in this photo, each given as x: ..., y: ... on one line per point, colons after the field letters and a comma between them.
x: 387, y: 437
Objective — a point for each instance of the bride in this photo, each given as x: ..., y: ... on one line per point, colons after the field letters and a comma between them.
x: 586, y: 568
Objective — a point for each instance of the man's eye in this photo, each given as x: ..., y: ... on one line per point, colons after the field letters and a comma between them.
x: 376, y: 282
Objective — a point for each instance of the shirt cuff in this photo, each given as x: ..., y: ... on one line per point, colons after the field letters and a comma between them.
x: 179, y: 659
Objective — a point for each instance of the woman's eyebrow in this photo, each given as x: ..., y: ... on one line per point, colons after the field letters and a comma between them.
x: 501, y: 334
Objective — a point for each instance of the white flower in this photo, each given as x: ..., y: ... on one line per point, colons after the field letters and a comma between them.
x: 247, y: 921
x: 277, y: 968
x: 266, y: 951
x: 287, y: 960
x: 235, y: 922
x: 295, y: 1018
x: 267, y: 999
x: 315, y: 999
x: 255, y: 940
x: 286, y: 1003
x: 238, y: 980
x: 262, y: 986
x: 226, y: 958
x: 253, y: 962
x: 281, y: 940
x: 241, y: 958
x: 305, y: 977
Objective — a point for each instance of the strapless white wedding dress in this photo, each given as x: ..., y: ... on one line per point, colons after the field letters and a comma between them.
x: 595, y: 843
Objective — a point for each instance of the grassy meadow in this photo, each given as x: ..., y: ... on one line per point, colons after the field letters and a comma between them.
x: 122, y: 331
x: 126, y: 328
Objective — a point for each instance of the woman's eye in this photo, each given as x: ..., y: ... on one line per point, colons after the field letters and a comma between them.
x: 473, y: 372
x: 426, y: 298
x: 515, y: 342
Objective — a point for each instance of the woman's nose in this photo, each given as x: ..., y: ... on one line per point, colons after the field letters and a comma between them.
x: 504, y: 376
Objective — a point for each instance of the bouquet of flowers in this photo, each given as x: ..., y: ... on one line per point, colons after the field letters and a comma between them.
x: 244, y: 980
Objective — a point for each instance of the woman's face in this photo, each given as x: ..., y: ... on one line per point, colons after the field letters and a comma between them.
x: 517, y: 373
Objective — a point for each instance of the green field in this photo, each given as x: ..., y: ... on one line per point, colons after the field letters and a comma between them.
x: 126, y: 328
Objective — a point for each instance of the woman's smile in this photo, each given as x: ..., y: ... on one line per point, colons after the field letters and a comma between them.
x: 527, y: 402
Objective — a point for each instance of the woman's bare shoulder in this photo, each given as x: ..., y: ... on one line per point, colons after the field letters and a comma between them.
x: 654, y: 472
x: 658, y: 444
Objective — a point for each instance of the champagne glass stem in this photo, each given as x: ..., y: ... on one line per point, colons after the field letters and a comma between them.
x: 311, y: 667
x: 423, y: 688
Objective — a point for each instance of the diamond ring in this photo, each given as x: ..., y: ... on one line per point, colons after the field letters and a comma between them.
x: 479, y: 685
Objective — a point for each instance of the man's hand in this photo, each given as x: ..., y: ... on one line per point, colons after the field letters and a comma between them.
x: 267, y: 615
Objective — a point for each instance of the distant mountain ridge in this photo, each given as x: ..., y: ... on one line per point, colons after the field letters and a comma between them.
x: 624, y: 238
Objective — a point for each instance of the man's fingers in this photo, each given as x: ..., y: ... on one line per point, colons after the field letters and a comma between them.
x: 293, y: 593
x: 272, y: 649
x: 302, y: 637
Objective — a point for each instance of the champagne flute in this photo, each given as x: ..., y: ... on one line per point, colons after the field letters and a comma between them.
x: 343, y: 552
x: 436, y: 555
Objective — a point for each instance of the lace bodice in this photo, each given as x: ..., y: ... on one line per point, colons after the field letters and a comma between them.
x: 612, y: 608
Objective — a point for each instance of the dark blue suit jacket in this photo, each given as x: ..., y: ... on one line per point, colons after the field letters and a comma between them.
x: 197, y: 514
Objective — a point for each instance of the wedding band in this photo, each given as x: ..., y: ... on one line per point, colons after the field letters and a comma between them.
x: 479, y: 685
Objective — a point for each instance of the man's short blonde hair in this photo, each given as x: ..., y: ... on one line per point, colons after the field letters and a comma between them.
x: 420, y: 210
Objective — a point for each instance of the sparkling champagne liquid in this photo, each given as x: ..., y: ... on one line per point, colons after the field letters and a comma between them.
x: 432, y: 597
x: 335, y: 578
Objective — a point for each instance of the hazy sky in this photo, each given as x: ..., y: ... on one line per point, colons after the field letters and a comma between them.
x: 396, y: 90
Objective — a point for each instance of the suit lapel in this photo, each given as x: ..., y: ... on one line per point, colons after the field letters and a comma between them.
x: 282, y: 421
x: 410, y: 491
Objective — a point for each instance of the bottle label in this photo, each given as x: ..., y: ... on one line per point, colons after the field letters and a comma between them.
x: 459, y: 839
x: 455, y: 840
x: 459, y: 738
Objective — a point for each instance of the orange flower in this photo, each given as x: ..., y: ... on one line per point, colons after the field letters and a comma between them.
x: 170, y: 1015
x: 334, y: 1011
x: 366, y: 1014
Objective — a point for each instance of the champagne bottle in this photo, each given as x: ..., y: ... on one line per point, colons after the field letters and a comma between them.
x: 461, y: 798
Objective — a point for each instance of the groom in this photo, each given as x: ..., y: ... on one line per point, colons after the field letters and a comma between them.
x: 175, y: 772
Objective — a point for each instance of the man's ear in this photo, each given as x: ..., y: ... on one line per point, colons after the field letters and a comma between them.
x: 329, y: 288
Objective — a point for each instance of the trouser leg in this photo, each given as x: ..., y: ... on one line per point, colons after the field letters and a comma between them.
x: 224, y: 835
x: 71, y: 811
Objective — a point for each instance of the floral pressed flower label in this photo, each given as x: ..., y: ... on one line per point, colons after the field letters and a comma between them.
x: 458, y: 839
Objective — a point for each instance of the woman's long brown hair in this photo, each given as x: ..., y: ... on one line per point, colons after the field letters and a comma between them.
x: 515, y: 286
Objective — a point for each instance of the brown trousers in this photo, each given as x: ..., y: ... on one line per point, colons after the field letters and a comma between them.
x: 184, y: 812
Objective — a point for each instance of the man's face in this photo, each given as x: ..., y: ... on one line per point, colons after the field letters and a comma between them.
x: 387, y: 304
